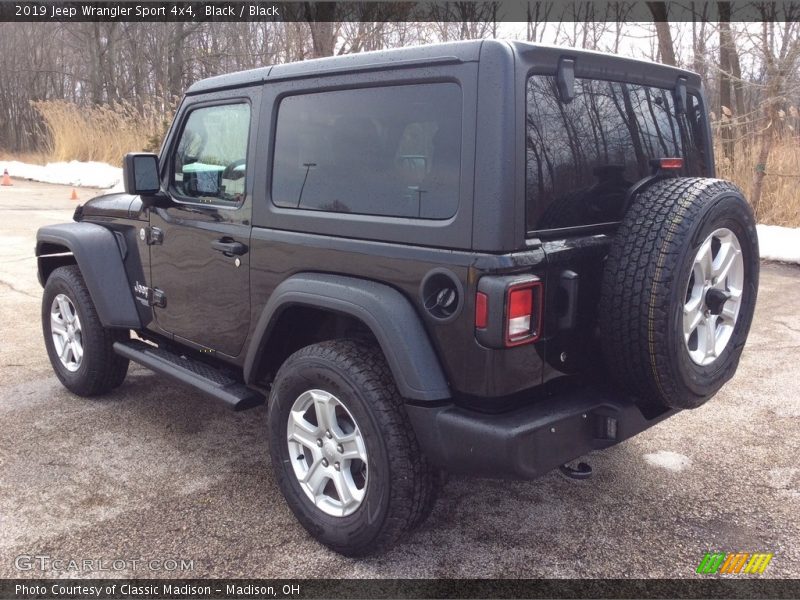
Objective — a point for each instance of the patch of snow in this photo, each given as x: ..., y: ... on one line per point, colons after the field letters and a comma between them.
x: 117, y: 189
x: 779, y: 243
x: 74, y: 173
x: 668, y: 460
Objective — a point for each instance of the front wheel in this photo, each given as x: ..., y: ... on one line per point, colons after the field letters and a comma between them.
x: 80, y: 348
x: 343, y: 451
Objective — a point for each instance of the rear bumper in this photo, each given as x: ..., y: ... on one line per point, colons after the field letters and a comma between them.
x: 530, y: 441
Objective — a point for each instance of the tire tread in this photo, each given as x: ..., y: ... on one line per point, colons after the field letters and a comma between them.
x: 638, y: 283
x: 105, y: 369
x: 413, y: 485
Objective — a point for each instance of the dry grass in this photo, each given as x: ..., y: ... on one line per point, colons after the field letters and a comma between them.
x: 34, y: 158
x: 102, y: 133
x: 780, y: 199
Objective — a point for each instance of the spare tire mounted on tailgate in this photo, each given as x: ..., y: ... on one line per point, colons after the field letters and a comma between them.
x: 679, y: 291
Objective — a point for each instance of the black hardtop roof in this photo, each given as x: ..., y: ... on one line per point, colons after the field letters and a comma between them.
x: 451, y: 52
x: 434, y: 53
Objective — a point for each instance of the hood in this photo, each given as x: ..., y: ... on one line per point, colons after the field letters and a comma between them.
x: 112, y: 206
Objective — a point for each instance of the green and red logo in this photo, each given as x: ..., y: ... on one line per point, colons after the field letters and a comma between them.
x: 734, y: 563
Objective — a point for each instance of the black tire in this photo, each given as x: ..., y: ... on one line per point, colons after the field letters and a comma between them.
x: 101, y: 369
x: 401, y: 486
x: 645, y: 286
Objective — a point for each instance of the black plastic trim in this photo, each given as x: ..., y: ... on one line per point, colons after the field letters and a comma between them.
x: 576, y: 230
x: 236, y: 395
x: 98, y: 256
x: 387, y: 313
x: 530, y: 441
x: 568, y: 282
x: 565, y: 79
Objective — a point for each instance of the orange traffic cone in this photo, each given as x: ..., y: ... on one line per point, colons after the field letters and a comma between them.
x: 74, y: 195
x: 6, y: 178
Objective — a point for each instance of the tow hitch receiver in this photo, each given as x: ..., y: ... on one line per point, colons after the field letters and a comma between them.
x: 581, y: 471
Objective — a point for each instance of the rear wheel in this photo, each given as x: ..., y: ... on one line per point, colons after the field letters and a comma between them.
x: 79, y: 347
x: 679, y: 291
x: 343, y: 451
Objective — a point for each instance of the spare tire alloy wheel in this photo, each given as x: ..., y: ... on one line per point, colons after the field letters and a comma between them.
x: 679, y: 291
x: 713, y: 296
x: 328, y: 453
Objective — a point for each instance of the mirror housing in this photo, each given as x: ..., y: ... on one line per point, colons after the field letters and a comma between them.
x: 140, y: 174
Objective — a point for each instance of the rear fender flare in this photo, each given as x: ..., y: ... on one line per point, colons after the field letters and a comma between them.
x: 385, y: 311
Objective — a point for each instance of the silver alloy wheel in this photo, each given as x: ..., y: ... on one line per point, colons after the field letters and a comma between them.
x: 327, y: 453
x: 713, y: 296
x: 65, y: 328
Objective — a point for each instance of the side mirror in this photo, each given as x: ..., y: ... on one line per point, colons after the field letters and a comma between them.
x: 140, y: 174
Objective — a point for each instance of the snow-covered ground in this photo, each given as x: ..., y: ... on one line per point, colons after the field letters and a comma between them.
x: 75, y: 173
x: 776, y: 243
x: 779, y: 243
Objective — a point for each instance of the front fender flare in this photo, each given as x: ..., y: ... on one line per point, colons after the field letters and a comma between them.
x: 98, y: 256
x: 387, y: 313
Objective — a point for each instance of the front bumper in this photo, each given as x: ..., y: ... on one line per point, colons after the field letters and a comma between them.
x: 530, y: 441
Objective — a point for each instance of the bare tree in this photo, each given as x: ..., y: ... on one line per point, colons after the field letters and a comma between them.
x: 779, y: 44
x: 726, y: 49
x: 320, y: 17
x: 666, y: 47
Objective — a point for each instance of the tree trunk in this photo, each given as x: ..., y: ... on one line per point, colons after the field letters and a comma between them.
x: 175, y: 65
x: 320, y: 17
x: 738, y: 91
x: 766, y: 138
x: 726, y: 111
x: 769, y: 104
x: 666, y: 48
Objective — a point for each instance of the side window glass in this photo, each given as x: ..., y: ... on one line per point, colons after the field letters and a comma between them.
x: 210, y: 162
x: 391, y: 151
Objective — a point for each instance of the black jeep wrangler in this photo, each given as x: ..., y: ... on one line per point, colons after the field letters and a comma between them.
x: 486, y: 257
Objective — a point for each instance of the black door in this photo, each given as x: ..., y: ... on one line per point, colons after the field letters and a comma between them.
x: 199, y: 256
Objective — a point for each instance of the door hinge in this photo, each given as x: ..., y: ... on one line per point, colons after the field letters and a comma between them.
x: 150, y: 296
x: 155, y: 297
x: 151, y: 235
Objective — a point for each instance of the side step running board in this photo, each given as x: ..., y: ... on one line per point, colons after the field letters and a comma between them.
x: 214, y: 382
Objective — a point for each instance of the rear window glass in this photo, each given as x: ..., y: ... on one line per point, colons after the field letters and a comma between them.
x: 582, y: 156
x: 392, y: 151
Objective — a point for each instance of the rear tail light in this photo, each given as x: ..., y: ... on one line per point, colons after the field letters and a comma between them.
x: 523, y: 313
x: 508, y: 310
x: 520, y: 312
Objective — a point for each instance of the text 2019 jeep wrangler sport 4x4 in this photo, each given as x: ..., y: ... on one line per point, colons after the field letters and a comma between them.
x: 483, y: 257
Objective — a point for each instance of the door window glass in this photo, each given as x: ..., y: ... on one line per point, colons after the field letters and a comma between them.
x: 210, y: 162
